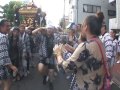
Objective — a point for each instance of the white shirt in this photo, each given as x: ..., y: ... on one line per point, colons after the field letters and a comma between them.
x: 108, y: 44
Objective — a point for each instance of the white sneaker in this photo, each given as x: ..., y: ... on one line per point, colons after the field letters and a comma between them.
x: 118, y: 61
x: 68, y: 77
x: 47, y: 78
x: 111, y: 82
x: 28, y: 72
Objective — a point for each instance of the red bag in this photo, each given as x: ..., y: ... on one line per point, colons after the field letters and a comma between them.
x: 106, y: 82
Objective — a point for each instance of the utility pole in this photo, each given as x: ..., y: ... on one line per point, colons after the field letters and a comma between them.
x: 77, y: 2
x: 64, y: 16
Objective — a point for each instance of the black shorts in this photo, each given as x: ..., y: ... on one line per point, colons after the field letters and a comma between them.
x: 49, y: 62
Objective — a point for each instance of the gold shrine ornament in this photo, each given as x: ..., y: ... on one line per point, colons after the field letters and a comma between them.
x: 28, y: 9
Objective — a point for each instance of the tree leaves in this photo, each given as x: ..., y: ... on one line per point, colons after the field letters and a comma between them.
x: 9, y: 9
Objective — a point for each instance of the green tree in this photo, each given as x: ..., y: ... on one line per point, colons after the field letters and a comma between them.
x: 9, y: 9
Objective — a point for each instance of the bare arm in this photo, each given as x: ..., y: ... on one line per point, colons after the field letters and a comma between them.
x: 36, y: 31
x: 69, y: 48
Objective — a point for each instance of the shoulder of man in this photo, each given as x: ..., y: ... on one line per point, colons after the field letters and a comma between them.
x: 2, y: 35
x: 4, y: 40
x: 27, y: 35
x: 107, y: 36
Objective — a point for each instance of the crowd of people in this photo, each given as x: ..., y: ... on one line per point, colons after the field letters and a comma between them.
x: 88, y: 50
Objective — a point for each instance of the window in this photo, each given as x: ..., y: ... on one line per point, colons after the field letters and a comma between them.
x: 91, y: 8
x: 98, y: 8
x: 111, y: 13
x: 84, y: 8
x: 94, y: 9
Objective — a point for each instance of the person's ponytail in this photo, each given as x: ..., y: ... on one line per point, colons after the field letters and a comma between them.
x: 100, y: 18
x: 95, y: 23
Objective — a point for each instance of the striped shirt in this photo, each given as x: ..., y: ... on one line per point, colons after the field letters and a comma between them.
x: 118, y: 45
x: 57, y: 38
x: 66, y: 55
x: 24, y: 43
x: 115, y: 47
x: 4, y: 56
x: 108, y: 44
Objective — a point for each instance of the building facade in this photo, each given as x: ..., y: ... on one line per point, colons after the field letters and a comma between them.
x: 114, y: 23
x: 80, y: 9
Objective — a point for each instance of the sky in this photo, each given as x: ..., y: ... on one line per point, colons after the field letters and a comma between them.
x: 53, y: 8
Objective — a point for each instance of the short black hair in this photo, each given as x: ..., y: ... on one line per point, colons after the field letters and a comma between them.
x: 2, y: 22
x: 104, y: 25
x: 16, y: 29
x: 114, y: 31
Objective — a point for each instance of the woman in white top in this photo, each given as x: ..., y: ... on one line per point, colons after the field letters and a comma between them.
x: 115, y: 46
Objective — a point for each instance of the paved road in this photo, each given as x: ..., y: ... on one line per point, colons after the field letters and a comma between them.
x: 34, y: 82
